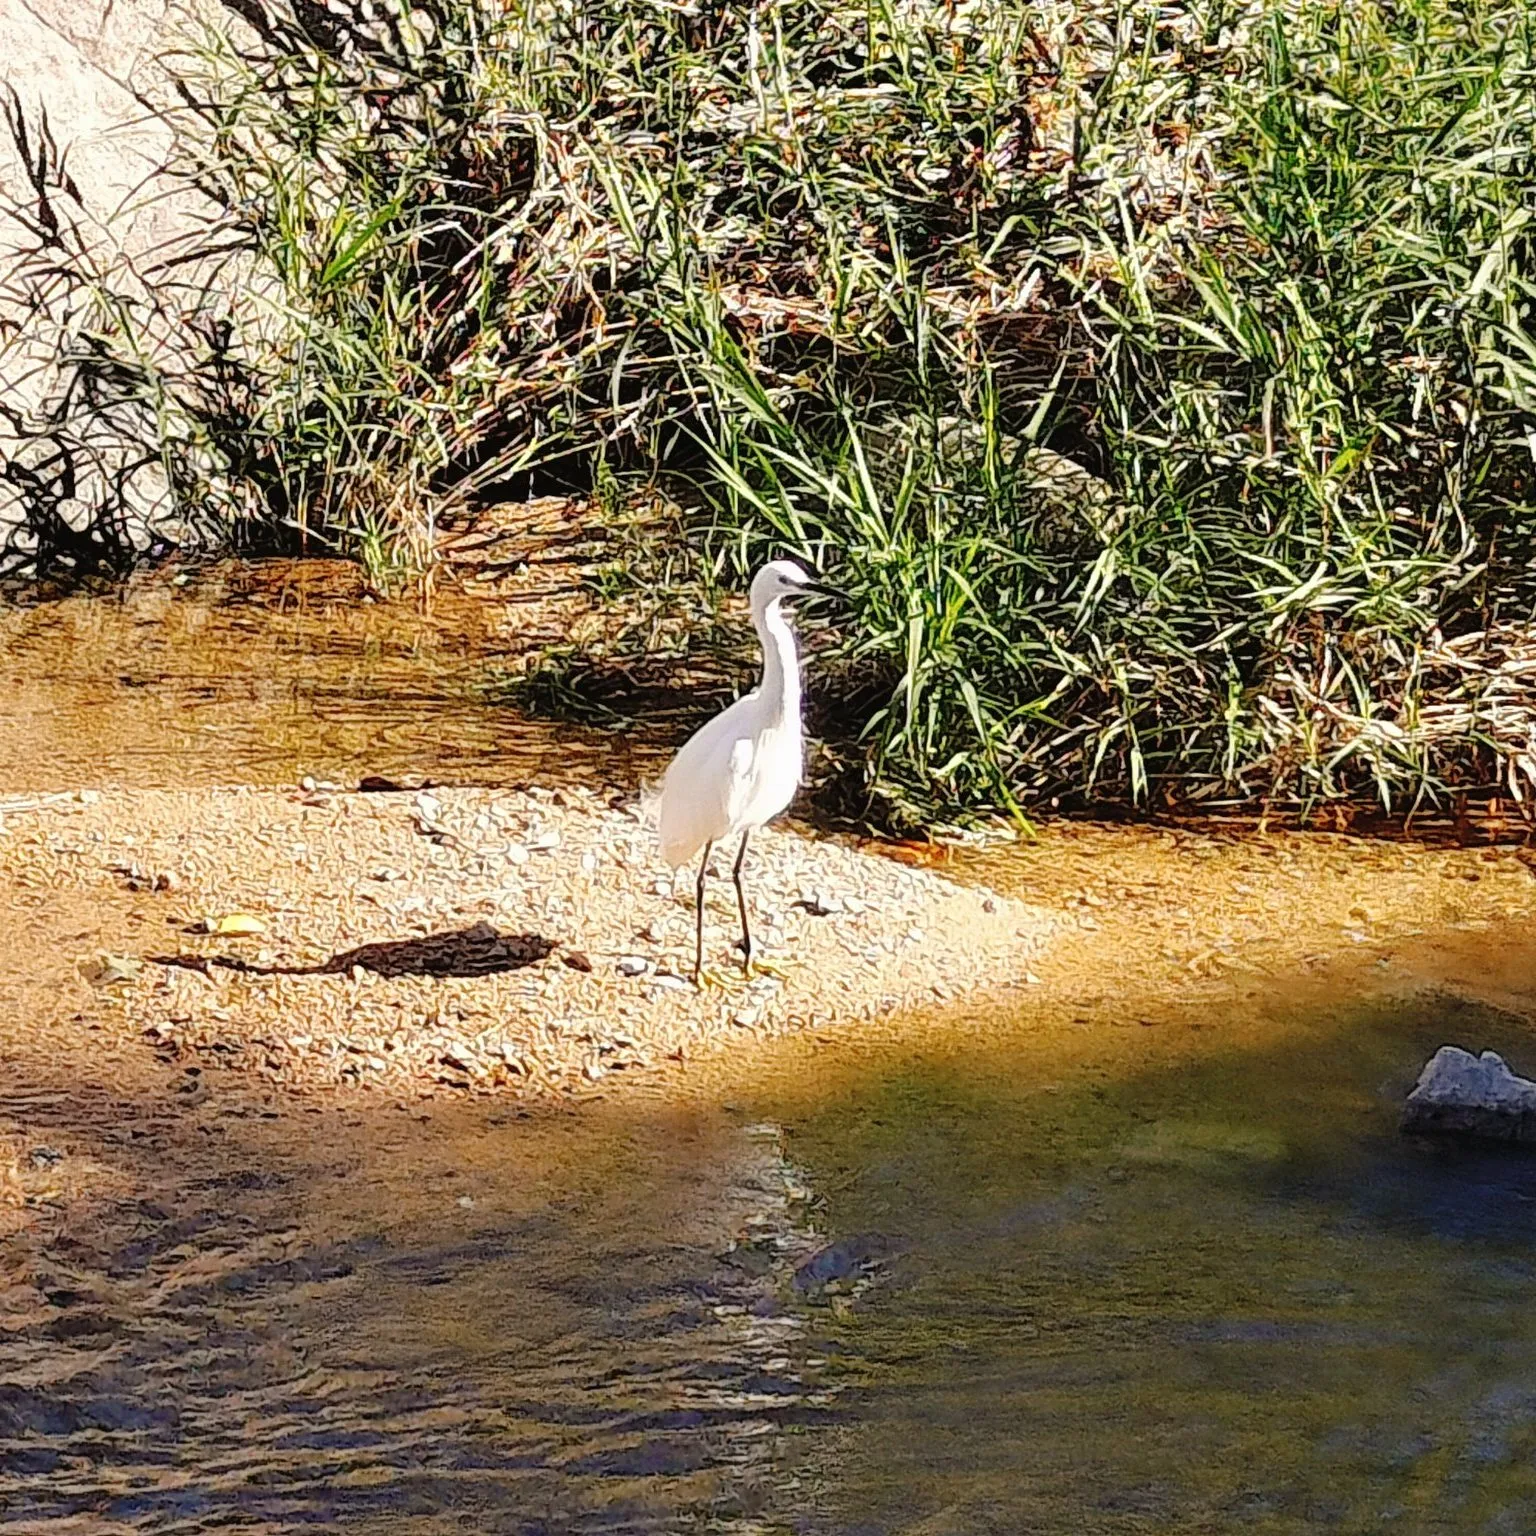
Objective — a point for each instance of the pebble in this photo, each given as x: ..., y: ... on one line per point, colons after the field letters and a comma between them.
x: 633, y: 965
x: 107, y: 969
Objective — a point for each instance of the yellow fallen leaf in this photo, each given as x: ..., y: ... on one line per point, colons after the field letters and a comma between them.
x: 236, y: 923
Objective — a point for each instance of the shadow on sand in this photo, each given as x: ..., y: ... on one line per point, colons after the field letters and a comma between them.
x: 478, y: 950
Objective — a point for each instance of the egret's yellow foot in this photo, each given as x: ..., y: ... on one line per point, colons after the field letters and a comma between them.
x: 711, y: 979
x: 769, y: 968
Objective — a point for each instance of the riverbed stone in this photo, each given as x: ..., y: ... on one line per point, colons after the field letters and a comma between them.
x: 1459, y: 1094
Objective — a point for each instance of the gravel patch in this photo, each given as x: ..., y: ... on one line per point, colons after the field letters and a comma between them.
x: 527, y: 942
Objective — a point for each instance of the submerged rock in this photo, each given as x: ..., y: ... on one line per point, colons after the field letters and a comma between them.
x: 1459, y: 1094
x: 848, y: 1260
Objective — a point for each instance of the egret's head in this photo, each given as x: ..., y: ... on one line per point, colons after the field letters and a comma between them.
x: 783, y: 579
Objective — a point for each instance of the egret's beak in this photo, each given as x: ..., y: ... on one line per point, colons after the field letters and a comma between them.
x: 821, y: 589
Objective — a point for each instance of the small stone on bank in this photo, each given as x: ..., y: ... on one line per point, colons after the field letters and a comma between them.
x: 107, y: 969
x: 633, y: 965
x: 377, y: 784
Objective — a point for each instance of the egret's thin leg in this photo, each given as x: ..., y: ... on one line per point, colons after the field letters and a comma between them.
x: 741, y: 901
x: 698, y: 948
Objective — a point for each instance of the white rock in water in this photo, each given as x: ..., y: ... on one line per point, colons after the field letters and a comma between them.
x: 1461, y: 1094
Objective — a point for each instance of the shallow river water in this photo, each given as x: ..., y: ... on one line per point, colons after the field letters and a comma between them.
x: 1181, y: 1276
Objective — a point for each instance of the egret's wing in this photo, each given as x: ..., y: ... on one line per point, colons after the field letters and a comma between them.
x: 738, y: 781
x: 706, y: 784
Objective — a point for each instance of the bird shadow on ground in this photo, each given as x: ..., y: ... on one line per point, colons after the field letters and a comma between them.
x: 478, y: 950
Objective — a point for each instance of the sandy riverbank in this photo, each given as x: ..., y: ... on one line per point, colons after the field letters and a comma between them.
x: 151, y: 753
x: 412, y: 949
x: 530, y: 942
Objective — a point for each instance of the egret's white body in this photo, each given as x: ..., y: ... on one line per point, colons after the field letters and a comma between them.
x: 743, y: 767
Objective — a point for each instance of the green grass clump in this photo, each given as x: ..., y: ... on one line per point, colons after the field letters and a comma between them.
x: 1157, y: 379
x: 1300, y: 372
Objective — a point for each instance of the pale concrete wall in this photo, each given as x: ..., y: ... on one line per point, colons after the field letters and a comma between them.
x: 84, y: 60
x: 90, y: 65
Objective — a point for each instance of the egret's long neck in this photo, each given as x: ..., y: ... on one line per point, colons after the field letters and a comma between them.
x: 781, y: 664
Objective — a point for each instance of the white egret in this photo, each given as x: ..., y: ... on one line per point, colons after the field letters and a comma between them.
x: 743, y: 767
